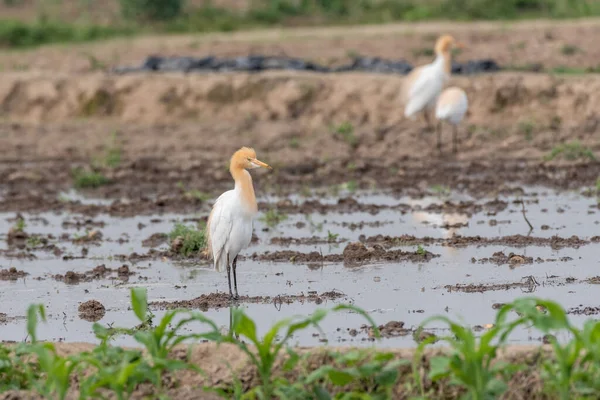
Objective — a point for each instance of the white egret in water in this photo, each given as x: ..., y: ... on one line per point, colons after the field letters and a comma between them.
x: 451, y: 107
x: 229, y: 227
x: 425, y: 83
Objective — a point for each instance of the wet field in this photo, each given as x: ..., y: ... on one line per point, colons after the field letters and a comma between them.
x: 402, y: 259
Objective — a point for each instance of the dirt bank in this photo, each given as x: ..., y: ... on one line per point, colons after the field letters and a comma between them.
x: 315, y: 130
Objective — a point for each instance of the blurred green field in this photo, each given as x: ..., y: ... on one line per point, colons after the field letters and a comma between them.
x: 27, y: 23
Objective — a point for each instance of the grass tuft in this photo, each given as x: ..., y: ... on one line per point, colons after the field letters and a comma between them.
x: 85, y: 179
x: 273, y: 217
x: 187, y: 240
x: 571, y: 151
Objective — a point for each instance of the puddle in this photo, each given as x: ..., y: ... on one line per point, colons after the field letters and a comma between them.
x: 406, y: 291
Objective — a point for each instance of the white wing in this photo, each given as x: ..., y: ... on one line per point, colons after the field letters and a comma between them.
x: 452, y: 105
x: 425, y: 90
x: 220, y: 223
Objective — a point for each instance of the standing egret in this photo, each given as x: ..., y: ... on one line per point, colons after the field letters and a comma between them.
x: 425, y: 83
x: 229, y: 227
x: 451, y: 107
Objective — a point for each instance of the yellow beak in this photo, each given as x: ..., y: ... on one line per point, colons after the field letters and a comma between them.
x: 261, y: 164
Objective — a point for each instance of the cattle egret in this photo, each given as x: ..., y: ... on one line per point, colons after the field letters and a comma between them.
x: 425, y: 83
x: 229, y: 227
x: 451, y: 107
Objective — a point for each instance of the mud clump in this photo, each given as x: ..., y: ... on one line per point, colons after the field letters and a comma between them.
x: 222, y: 300
x: 155, y: 240
x: 358, y: 253
x: 12, y: 274
x: 91, y: 310
x: 99, y: 272
x: 512, y: 259
x: 393, y: 329
x: 556, y: 242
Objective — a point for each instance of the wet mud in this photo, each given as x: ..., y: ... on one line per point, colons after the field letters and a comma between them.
x: 223, y: 300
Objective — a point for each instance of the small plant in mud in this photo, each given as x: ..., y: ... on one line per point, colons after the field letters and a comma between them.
x: 571, y: 151
x: 273, y: 217
x: 441, y: 190
x: 34, y: 241
x: 294, y: 143
x: 526, y: 129
x: 421, y: 251
x: 569, y: 49
x: 350, y: 186
x: 19, y: 225
x: 346, y: 132
x: 112, y: 154
x: 187, y: 240
x: 88, y: 179
x: 332, y: 237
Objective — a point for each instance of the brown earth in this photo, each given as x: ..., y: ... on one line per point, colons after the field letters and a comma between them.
x: 177, y: 130
x: 91, y: 310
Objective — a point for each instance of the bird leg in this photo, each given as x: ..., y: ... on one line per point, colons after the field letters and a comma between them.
x: 427, y: 120
x: 454, y: 137
x: 439, y: 135
x: 229, y: 277
x: 235, y: 277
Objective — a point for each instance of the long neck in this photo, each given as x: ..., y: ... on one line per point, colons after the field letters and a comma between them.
x: 243, y: 185
x: 444, y: 60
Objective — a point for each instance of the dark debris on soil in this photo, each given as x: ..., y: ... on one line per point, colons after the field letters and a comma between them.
x: 222, y: 300
x: 257, y: 63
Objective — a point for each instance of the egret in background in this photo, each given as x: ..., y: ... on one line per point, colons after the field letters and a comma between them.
x: 425, y: 83
x: 229, y: 227
x: 451, y: 107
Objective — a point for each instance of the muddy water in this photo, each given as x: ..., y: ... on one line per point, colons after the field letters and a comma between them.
x: 407, y: 292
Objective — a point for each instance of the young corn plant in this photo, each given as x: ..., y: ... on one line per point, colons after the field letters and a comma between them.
x: 266, y: 351
x: 470, y: 361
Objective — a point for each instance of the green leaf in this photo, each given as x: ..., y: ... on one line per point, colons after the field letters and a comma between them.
x: 32, y: 319
x: 496, y: 387
x: 139, y: 303
x: 243, y: 325
x: 387, y: 377
x: 292, y: 361
x: 321, y: 393
x: 340, y: 378
x: 439, y: 367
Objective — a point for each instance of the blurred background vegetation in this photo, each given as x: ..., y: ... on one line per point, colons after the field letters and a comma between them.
x: 25, y: 23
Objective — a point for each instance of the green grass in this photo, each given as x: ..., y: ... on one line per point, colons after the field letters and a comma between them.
x: 273, y: 217
x: 470, y: 368
x: 111, y: 155
x: 346, y: 132
x: 19, y: 225
x: 332, y: 237
x: 569, y: 50
x: 267, y: 13
x: 17, y: 34
x: 571, y: 151
x: 86, y: 179
x: 193, y: 240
